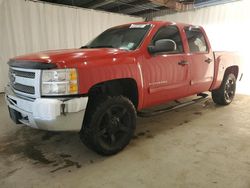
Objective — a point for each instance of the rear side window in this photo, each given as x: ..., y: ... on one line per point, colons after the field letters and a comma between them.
x: 172, y: 33
x: 196, y: 40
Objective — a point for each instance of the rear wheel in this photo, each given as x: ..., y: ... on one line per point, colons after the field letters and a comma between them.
x: 225, y: 94
x: 110, y: 126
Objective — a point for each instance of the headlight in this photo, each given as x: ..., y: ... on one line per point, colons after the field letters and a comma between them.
x: 59, y: 82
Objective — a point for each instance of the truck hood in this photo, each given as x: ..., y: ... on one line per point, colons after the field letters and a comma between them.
x: 70, y: 57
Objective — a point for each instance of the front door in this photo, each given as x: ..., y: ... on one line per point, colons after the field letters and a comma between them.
x: 167, y: 73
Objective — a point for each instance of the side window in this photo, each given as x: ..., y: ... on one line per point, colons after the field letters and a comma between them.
x: 171, y: 33
x: 196, y: 40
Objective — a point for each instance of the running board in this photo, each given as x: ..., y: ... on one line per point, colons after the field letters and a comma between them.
x: 201, y: 96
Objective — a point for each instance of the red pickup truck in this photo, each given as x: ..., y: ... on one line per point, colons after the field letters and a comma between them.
x: 100, y: 88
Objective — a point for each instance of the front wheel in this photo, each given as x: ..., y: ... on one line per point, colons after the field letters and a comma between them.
x: 110, y: 126
x: 225, y: 94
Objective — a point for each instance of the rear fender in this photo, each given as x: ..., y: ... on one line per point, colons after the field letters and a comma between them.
x: 225, y: 63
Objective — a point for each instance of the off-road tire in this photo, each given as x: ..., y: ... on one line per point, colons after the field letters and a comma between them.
x: 109, y: 124
x: 225, y: 94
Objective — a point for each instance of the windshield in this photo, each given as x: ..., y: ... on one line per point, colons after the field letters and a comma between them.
x: 127, y: 37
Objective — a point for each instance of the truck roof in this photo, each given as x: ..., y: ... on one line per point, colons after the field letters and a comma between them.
x: 159, y: 23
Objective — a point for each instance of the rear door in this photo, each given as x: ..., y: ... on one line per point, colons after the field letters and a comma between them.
x: 167, y: 73
x: 202, y: 60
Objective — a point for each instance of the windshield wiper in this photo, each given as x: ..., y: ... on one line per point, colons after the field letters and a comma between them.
x: 82, y: 47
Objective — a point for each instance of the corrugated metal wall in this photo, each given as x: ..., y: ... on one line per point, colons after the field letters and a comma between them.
x: 228, y: 28
x: 32, y: 26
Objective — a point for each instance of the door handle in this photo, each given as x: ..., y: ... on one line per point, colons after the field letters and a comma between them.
x: 208, y: 60
x: 183, y: 63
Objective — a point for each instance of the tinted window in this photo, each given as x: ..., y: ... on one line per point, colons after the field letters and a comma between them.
x: 126, y: 37
x: 196, y: 40
x: 172, y: 33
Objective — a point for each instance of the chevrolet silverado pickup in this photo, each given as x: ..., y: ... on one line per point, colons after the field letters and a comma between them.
x: 99, y: 89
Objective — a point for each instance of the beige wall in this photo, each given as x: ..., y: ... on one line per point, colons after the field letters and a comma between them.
x: 33, y: 26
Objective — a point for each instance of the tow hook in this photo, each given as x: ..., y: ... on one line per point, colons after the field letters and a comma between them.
x: 63, y: 109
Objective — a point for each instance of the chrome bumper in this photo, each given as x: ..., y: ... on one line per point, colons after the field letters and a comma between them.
x: 48, y: 113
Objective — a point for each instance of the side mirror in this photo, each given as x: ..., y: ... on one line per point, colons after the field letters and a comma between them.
x: 162, y: 45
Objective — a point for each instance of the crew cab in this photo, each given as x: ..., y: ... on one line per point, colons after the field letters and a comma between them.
x: 99, y: 89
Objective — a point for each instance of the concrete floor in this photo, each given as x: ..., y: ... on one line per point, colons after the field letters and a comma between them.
x: 202, y: 145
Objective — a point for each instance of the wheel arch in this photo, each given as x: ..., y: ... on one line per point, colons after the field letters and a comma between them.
x: 220, y: 75
x: 124, y: 86
x: 232, y: 69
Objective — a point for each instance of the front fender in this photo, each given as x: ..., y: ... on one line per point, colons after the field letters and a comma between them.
x: 93, y: 75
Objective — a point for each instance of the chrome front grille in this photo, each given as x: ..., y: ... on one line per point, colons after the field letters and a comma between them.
x: 23, y: 73
x: 25, y: 81
x: 23, y: 88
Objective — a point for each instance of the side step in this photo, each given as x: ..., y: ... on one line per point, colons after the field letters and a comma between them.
x: 201, y: 96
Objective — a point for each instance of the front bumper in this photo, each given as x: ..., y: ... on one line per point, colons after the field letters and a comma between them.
x: 48, y: 113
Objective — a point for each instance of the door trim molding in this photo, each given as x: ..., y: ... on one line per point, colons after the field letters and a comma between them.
x: 165, y: 86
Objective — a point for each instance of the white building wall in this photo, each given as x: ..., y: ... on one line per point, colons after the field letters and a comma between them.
x: 27, y: 27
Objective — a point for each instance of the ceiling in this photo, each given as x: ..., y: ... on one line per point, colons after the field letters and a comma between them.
x: 137, y: 7
x: 130, y: 7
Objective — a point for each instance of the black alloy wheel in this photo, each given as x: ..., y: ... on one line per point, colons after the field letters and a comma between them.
x: 225, y: 94
x: 230, y: 87
x: 110, y: 125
